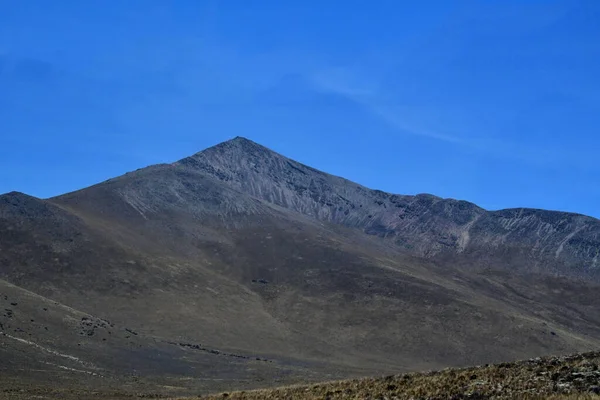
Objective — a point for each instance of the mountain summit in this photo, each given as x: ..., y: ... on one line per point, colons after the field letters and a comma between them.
x: 423, y: 225
x: 242, y: 267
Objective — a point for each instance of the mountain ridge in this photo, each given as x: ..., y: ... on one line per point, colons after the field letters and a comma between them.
x: 248, y: 143
x: 175, y: 270
x: 424, y: 224
x: 243, y: 164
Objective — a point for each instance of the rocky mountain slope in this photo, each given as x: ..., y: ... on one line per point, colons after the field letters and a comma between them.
x: 425, y: 225
x: 238, y: 267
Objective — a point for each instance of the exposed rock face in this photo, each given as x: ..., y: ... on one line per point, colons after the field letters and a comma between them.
x: 424, y: 224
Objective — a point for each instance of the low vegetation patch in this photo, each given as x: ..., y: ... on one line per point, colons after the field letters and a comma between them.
x: 571, y: 377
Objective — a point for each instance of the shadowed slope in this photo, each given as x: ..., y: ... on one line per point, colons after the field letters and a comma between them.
x: 253, y: 267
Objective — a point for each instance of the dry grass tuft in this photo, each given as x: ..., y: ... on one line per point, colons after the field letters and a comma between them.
x: 573, y: 377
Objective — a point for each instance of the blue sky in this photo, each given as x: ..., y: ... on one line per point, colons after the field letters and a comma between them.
x: 495, y: 102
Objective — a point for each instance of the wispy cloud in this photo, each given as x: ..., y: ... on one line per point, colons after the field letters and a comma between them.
x: 408, y: 120
x: 344, y: 82
x: 398, y: 121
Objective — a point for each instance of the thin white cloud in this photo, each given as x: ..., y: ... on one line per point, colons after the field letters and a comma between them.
x: 398, y: 121
x: 343, y: 82
x: 409, y: 121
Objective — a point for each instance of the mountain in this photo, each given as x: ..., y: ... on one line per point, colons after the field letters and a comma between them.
x: 238, y: 267
x: 424, y: 225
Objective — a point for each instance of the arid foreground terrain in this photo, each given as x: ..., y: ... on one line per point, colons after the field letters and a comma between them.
x: 576, y: 376
x: 569, y: 377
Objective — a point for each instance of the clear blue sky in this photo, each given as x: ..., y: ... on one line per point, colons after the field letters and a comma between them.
x: 496, y: 102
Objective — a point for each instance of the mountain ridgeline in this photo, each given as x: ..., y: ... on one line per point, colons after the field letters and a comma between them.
x: 424, y: 225
x: 239, y: 268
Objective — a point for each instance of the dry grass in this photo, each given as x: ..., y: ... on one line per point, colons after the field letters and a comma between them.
x: 574, y: 377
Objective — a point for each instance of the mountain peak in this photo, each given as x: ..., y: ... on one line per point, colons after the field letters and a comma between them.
x: 14, y: 193
x: 237, y: 141
x: 15, y: 196
x: 233, y: 148
x: 241, y: 143
x: 240, y: 139
x: 230, y: 154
